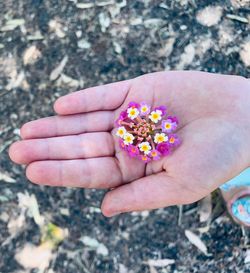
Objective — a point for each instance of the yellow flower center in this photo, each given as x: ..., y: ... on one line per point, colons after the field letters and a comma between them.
x: 155, y: 116
x: 172, y: 140
x: 160, y: 138
x: 132, y: 112
x: 144, y: 109
x: 167, y: 125
x: 144, y: 148
x: 128, y: 138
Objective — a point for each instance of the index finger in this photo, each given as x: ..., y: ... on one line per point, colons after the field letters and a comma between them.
x: 103, y: 97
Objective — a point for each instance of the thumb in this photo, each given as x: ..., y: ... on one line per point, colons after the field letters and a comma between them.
x: 151, y: 192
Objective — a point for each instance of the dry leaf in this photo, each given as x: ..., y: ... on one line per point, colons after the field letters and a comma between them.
x: 12, y: 24
x: 58, y: 70
x: 66, y: 80
x: 123, y: 269
x: 160, y: 263
x: 245, y: 53
x: 36, y: 36
x: 57, y: 27
x: 205, y: 208
x: 152, y: 269
x: 104, y: 21
x: 31, y: 256
x: 93, y: 243
x: 31, y: 55
x: 196, y: 241
x: 6, y: 178
x: 85, y: 5
x: 247, y: 257
x: 240, y: 3
x: 29, y: 203
x: 16, y: 224
x: 237, y: 18
x: 16, y: 81
x: 84, y: 44
x: 186, y: 57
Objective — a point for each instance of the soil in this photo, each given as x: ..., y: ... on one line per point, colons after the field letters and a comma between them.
x: 101, y: 42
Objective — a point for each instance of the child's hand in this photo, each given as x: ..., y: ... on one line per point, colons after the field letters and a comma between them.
x: 77, y: 149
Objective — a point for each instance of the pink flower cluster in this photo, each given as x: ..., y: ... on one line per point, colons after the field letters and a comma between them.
x: 145, y: 133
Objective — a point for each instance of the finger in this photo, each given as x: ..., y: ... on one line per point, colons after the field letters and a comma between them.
x: 154, y: 191
x: 86, y: 173
x: 104, y: 97
x: 68, y: 147
x: 68, y: 125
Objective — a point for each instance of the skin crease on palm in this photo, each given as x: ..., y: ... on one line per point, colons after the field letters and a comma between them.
x: 78, y: 147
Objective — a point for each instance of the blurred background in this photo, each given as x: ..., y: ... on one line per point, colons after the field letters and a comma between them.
x: 49, y: 48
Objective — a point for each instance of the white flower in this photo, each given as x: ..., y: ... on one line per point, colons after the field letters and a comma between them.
x: 133, y: 112
x: 159, y: 138
x: 145, y: 147
x: 121, y: 131
x: 155, y: 116
x: 128, y: 138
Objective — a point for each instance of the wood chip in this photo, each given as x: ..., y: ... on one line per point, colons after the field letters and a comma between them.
x: 209, y: 16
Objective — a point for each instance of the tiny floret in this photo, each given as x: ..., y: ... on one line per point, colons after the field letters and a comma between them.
x: 128, y: 138
x: 160, y: 137
x: 155, y: 116
x: 121, y: 131
x: 145, y: 147
x: 133, y: 112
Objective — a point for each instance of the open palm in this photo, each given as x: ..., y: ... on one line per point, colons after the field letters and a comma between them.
x: 79, y: 148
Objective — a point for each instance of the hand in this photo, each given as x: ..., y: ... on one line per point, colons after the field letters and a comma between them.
x: 79, y: 147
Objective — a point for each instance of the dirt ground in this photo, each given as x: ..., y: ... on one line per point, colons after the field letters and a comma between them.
x: 49, y: 48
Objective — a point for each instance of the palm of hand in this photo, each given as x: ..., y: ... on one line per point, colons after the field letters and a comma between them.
x: 209, y: 112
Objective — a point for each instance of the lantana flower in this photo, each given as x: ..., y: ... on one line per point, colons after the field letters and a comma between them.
x: 133, y: 112
x: 163, y: 110
x: 155, y: 116
x: 163, y: 148
x: 146, y: 134
x: 155, y: 154
x: 160, y: 137
x: 173, y: 140
x: 128, y: 138
x: 121, y: 131
x: 133, y: 150
x: 145, y: 158
x: 169, y: 125
x: 144, y: 109
x: 145, y: 147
